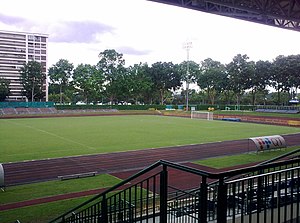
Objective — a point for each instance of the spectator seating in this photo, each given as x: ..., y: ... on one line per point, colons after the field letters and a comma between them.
x: 284, y: 111
x: 27, y: 111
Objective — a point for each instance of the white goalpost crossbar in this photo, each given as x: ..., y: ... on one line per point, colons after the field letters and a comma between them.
x: 202, y: 115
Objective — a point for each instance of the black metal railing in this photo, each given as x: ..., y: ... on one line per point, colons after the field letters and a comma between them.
x: 160, y: 193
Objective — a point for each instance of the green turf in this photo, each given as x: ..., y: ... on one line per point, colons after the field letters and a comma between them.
x: 235, y: 160
x: 40, y: 213
x: 51, y: 188
x: 27, y: 139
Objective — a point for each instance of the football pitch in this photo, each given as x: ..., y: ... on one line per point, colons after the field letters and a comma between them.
x: 42, y: 138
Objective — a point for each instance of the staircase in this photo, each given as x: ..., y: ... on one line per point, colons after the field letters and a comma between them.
x: 269, y: 192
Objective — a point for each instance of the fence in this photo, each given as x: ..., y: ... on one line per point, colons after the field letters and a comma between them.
x: 26, y: 104
x: 263, y: 193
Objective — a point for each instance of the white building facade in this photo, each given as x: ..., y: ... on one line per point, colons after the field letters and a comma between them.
x: 16, y: 49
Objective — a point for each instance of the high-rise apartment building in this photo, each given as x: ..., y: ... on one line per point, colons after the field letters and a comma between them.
x: 16, y: 49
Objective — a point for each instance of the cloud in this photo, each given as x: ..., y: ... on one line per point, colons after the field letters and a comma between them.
x: 132, y: 51
x: 11, y: 20
x: 61, y: 31
x: 78, y: 32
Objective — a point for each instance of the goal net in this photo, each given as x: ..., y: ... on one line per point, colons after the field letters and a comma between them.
x: 202, y: 115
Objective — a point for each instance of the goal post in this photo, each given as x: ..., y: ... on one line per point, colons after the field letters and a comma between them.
x: 202, y: 115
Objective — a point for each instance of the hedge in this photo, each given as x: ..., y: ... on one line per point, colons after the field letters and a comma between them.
x: 118, y: 107
x: 158, y: 107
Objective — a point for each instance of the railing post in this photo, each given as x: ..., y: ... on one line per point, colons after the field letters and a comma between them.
x: 222, y: 202
x: 104, y: 209
x: 164, y: 195
x: 202, y: 212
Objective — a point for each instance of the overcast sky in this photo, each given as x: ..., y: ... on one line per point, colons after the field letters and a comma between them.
x: 142, y: 31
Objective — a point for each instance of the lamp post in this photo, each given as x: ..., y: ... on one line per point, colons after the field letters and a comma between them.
x: 187, y: 46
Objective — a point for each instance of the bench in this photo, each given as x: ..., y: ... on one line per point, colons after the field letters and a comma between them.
x: 77, y: 175
x: 232, y: 119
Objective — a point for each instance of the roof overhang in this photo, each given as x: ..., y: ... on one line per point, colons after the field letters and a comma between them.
x: 279, y: 13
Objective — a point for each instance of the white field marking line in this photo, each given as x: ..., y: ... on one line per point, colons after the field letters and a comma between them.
x: 55, y: 135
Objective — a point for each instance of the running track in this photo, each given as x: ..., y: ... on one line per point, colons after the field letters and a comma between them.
x: 50, y: 169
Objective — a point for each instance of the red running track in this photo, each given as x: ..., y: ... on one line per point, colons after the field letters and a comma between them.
x: 50, y: 169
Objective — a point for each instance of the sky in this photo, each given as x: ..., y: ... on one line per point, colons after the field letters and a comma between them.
x: 142, y: 31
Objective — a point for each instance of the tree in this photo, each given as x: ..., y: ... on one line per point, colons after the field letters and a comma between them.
x: 111, y: 65
x: 140, y: 82
x: 280, y: 76
x: 260, y: 78
x: 164, y: 77
x: 4, y: 88
x: 211, y: 78
x: 293, y: 72
x: 60, y: 74
x: 239, y: 73
x: 32, y: 78
x: 88, y: 80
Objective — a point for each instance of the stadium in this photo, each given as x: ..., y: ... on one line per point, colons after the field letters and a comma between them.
x: 154, y: 163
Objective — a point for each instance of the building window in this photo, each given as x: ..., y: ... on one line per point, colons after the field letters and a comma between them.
x: 37, y: 52
x: 43, y: 51
x: 37, y: 38
x: 30, y: 37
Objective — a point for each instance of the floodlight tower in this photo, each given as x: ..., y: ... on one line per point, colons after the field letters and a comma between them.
x: 187, y: 46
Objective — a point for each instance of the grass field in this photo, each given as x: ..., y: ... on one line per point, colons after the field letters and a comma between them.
x: 39, y: 138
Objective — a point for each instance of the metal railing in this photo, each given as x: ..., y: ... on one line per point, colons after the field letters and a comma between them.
x: 160, y: 193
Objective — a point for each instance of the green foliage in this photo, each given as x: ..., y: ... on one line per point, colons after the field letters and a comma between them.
x: 212, y: 78
x: 88, y: 81
x: 239, y: 82
x: 58, y: 97
x: 165, y: 77
x: 60, y: 74
x: 239, y: 71
x: 118, y: 107
x: 4, y: 89
x: 32, y: 78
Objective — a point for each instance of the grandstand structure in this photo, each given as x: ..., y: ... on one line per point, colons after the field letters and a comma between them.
x: 278, y: 109
x: 266, y: 192
x: 278, y: 13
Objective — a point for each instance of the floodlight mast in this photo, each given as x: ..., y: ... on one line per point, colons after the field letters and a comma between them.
x: 187, y: 46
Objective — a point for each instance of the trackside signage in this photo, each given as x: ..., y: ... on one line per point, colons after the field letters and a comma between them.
x: 269, y: 142
x: 1, y: 176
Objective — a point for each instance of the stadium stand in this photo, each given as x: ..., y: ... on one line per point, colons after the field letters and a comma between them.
x: 9, y: 111
x: 27, y: 111
x: 278, y: 109
x: 284, y: 111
